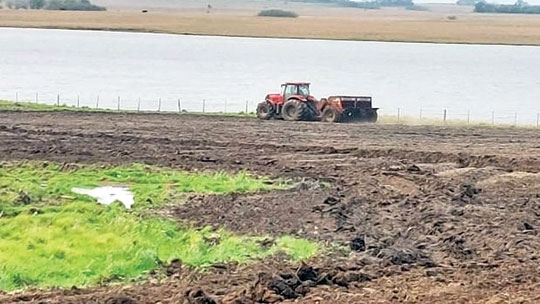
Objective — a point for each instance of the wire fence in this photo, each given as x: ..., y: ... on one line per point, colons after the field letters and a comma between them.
x: 205, y: 105
x: 446, y: 116
x: 405, y: 115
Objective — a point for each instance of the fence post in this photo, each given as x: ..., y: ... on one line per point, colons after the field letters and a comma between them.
x: 179, y: 106
x: 203, y: 105
x: 139, y: 105
x: 420, y: 113
x: 398, y: 113
x: 58, y: 100
x: 246, y: 107
x: 97, y: 102
x: 515, y: 119
x: 537, y: 120
x: 78, y: 99
x: 37, y: 98
x: 468, y: 116
x: 444, y: 116
x: 16, y: 96
x: 159, y: 105
x: 225, y: 105
x: 118, y: 104
x: 492, y: 118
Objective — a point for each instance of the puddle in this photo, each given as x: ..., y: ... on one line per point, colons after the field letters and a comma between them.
x: 108, y: 195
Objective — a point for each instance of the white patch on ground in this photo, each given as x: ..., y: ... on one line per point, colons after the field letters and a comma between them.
x: 456, y: 172
x: 108, y: 195
x: 437, y: 168
x: 471, y: 172
x: 516, y: 179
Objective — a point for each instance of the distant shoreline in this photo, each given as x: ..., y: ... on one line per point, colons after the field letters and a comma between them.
x: 149, y: 31
x: 433, y: 28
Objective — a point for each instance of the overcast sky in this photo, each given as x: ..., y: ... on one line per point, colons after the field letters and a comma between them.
x: 489, y: 1
x: 532, y: 2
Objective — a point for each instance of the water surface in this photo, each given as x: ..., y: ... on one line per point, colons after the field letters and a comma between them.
x: 226, y: 72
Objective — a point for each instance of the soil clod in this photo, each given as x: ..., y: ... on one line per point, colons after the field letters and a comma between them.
x: 23, y: 199
x: 121, y: 299
x: 197, y: 296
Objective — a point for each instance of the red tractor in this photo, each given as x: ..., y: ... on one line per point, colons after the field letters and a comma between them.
x: 295, y: 103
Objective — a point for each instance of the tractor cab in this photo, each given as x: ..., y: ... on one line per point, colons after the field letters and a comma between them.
x: 291, y: 89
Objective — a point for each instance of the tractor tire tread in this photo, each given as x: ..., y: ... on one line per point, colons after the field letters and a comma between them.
x: 303, y: 111
x: 331, y: 114
x: 271, y: 111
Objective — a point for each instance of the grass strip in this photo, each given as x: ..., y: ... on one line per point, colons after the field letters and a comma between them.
x: 26, y: 106
x: 39, y: 183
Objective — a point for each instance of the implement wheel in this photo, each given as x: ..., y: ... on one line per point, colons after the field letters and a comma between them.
x: 265, y: 110
x: 372, y: 117
x: 331, y: 114
x: 369, y: 115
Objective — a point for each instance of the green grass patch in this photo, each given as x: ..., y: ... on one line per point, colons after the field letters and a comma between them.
x: 298, y: 249
x: 51, y: 237
x: 277, y: 13
x: 33, y: 106
x: 415, y: 7
x: 83, y: 244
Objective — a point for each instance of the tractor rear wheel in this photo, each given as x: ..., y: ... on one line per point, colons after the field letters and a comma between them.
x: 313, y: 112
x: 297, y: 110
x: 265, y: 110
x: 330, y: 114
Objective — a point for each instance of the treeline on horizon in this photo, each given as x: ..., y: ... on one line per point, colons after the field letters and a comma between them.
x: 480, y: 6
x: 520, y: 7
x: 369, y: 4
x: 62, y: 5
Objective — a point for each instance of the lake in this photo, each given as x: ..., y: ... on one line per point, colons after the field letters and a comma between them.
x: 95, y: 67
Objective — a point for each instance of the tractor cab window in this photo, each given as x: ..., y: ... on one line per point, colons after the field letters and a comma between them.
x: 303, y: 90
x: 290, y: 90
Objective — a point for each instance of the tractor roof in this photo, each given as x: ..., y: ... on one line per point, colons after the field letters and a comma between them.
x: 297, y: 82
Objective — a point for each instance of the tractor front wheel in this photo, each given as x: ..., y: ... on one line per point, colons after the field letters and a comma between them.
x: 330, y: 114
x: 265, y: 110
x: 296, y: 110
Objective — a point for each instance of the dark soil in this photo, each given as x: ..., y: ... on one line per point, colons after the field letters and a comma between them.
x: 429, y: 214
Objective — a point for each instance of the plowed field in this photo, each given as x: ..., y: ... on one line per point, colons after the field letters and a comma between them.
x: 431, y: 214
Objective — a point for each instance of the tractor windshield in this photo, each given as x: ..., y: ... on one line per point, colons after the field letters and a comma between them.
x: 303, y: 90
